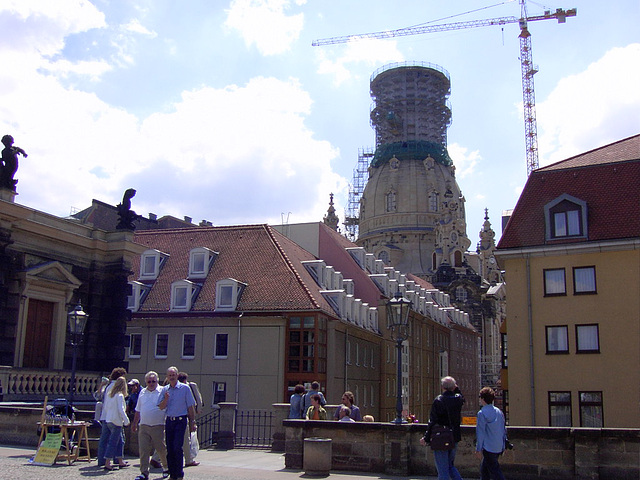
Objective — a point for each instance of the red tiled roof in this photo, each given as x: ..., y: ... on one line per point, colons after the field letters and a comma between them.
x: 607, y: 179
x: 257, y: 255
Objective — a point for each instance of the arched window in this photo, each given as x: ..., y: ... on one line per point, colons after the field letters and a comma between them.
x: 457, y: 258
x: 434, y: 261
x: 461, y: 294
x: 433, y: 202
x: 391, y: 201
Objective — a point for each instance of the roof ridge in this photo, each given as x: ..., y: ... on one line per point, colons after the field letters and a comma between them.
x: 271, y: 232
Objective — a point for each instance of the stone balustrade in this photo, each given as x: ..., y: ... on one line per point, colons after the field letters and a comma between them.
x: 24, y: 384
x: 539, y: 453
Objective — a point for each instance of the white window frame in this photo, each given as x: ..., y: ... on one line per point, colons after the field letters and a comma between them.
x: 236, y: 289
x: 184, y: 337
x: 159, y: 260
x: 139, y: 292
x: 131, y: 343
x: 551, y: 219
x: 209, y: 258
x: 216, y: 356
x: 155, y: 351
x: 191, y: 290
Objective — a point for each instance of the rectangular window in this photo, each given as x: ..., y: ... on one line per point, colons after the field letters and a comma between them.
x: 587, y: 339
x: 591, y: 410
x: 557, y: 339
x: 554, y: 282
x: 566, y: 223
x: 162, y: 345
x: 221, y: 346
x: 584, y: 280
x: 149, y: 265
x: 559, y: 409
x: 180, y: 297
x: 198, y: 262
x: 226, y: 296
x: 188, y: 345
x: 135, y: 345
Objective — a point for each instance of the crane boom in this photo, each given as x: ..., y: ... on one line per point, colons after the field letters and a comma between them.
x: 526, y: 60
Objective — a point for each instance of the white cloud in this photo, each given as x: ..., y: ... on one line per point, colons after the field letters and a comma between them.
x: 42, y: 25
x: 597, y: 106
x: 371, y: 52
x: 266, y: 24
x: 135, y: 26
x: 464, y: 160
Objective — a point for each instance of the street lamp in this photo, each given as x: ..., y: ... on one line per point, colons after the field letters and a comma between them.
x: 398, y: 321
x: 77, y: 321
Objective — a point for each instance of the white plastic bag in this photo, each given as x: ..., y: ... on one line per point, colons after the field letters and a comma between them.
x: 194, y: 445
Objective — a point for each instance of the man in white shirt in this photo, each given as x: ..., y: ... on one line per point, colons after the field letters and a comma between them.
x: 151, y: 421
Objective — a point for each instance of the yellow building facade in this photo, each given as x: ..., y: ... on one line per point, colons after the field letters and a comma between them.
x: 571, y: 252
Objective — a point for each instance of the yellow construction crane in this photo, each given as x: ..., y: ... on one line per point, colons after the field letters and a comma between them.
x: 526, y: 60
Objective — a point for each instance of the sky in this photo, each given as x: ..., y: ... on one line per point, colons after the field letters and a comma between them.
x: 223, y: 110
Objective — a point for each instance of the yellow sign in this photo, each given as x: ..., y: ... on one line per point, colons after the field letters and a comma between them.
x: 49, y: 449
x: 469, y: 420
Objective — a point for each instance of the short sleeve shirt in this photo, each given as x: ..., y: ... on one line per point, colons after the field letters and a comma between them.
x: 180, y: 399
x: 147, y: 406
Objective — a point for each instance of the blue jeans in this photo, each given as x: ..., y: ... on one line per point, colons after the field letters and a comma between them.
x: 490, y: 468
x: 174, y: 434
x: 115, y: 444
x: 105, y: 433
x: 444, y: 463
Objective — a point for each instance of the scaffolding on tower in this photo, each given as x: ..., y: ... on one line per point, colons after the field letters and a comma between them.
x: 356, y: 189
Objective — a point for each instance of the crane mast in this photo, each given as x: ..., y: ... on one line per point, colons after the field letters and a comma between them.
x: 528, y: 69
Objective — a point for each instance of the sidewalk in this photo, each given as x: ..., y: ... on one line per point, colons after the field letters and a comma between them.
x: 237, y: 464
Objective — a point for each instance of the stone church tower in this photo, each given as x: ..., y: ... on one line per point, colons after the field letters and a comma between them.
x: 412, y: 210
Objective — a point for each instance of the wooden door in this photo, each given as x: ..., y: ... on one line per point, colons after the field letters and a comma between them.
x: 37, y: 342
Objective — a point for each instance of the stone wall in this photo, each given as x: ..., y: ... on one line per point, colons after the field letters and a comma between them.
x: 539, y: 453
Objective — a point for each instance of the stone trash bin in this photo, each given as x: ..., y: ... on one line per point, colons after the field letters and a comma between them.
x: 316, y: 458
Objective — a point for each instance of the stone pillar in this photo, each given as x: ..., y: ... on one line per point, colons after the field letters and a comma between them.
x: 280, y: 413
x: 227, y: 434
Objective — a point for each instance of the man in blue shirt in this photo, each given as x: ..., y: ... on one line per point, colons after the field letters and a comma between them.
x: 177, y: 399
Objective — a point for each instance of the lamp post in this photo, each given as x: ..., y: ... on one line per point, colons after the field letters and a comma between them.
x: 77, y: 321
x: 398, y: 318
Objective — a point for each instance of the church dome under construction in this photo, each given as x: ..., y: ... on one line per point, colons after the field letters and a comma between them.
x: 412, y: 211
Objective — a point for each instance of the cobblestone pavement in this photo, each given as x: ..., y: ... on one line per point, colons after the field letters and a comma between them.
x: 238, y: 464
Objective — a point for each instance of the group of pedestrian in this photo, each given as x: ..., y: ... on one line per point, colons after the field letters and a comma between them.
x: 310, y: 405
x: 163, y: 417
x: 491, y: 433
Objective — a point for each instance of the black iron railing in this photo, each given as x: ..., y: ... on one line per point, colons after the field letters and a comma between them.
x: 208, y: 428
x: 254, y: 428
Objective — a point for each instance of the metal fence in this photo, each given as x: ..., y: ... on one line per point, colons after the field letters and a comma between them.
x: 254, y: 428
x: 208, y: 428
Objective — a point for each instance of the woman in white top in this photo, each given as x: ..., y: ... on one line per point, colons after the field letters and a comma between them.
x: 114, y: 413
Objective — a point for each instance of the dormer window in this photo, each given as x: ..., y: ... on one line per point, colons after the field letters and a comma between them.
x: 566, y: 217
x: 200, y: 261
x: 150, y: 264
x: 139, y: 292
x: 228, y: 293
x: 183, y: 295
x: 317, y: 270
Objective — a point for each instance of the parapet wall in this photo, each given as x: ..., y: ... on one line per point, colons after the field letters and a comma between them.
x: 539, y: 453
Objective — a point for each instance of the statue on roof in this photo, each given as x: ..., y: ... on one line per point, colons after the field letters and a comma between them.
x: 9, y: 163
x: 127, y: 216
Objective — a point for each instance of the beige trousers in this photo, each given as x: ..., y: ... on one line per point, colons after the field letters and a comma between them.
x: 186, y: 447
x: 150, y: 438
